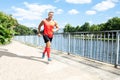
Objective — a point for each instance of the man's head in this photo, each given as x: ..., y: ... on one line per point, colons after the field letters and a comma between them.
x: 50, y: 14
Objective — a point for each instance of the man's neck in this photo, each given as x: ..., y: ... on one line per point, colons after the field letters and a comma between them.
x: 49, y: 19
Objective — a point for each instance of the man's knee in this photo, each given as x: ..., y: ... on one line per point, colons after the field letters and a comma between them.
x: 48, y: 44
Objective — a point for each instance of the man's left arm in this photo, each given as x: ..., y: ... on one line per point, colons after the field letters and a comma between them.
x: 56, y: 25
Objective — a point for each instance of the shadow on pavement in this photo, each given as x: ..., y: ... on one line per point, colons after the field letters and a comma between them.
x: 2, y: 49
x: 3, y: 52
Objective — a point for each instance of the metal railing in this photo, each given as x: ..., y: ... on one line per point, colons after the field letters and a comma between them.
x: 101, y: 46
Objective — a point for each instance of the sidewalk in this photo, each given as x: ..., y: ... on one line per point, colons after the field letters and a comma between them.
x: 21, y: 62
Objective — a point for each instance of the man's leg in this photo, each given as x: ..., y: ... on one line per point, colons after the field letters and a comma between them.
x: 45, y: 50
x: 46, y: 39
x: 48, y: 50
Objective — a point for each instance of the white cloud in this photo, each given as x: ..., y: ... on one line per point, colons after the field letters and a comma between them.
x: 73, y: 11
x: 30, y: 24
x: 32, y: 11
x: 104, y: 5
x: 59, y: 11
x: 90, y: 12
x: 39, y: 8
x: 78, y: 1
x: 118, y: 12
x: 22, y: 14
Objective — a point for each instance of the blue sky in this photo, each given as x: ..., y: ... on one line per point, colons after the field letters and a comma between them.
x: 75, y: 12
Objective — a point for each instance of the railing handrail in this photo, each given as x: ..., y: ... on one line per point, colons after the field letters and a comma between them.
x: 97, y: 40
x: 93, y: 31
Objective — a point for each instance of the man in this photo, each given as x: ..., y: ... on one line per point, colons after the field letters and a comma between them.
x: 48, y: 31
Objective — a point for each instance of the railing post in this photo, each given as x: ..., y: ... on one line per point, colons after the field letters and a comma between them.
x: 68, y: 43
x: 117, y: 49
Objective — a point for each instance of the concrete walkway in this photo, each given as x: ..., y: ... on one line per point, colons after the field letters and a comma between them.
x: 21, y: 62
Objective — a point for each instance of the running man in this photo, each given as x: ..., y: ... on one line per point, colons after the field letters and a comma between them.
x: 48, y: 31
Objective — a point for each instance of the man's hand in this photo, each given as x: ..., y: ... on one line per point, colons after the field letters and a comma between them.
x: 39, y: 35
x: 55, y: 30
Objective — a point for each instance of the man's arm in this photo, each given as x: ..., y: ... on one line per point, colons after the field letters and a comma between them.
x: 57, y: 27
x: 39, y: 28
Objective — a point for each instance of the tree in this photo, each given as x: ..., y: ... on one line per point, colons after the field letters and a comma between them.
x: 85, y: 27
x: 35, y: 31
x: 7, y: 22
x: 67, y: 28
x: 78, y: 28
x: 113, y: 24
x: 101, y: 26
x: 93, y: 28
x: 23, y: 30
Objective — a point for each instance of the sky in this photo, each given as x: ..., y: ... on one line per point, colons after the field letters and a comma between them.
x: 74, y: 12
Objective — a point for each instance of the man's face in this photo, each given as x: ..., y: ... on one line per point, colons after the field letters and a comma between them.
x: 50, y: 15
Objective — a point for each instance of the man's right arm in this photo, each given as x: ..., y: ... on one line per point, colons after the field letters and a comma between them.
x: 39, y: 27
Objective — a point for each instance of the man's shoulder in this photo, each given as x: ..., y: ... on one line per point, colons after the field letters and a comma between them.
x: 43, y: 20
x: 54, y: 20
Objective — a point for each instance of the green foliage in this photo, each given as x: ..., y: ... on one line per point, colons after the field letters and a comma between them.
x: 23, y: 30
x: 85, y: 27
x: 9, y: 27
x: 67, y: 28
x: 111, y: 24
x: 5, y: 35
x: 34, y: 31
x: 77, y: 29
x: 6, y: 27
x: 94, y: 28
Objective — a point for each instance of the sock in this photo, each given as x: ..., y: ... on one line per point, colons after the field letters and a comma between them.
x: 48, y: 52
x: 45, y: 50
